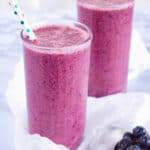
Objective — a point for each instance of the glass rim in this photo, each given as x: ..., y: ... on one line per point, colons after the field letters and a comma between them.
x: 58, y: 22
x: 111, y: 6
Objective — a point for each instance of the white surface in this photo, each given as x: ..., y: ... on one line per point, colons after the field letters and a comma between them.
x: 109, y: 117
x: 6, y: 129
x: 139, y: 57
x: 116, y: 113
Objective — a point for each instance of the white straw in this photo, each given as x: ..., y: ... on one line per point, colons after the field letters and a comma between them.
x: 22, y: 18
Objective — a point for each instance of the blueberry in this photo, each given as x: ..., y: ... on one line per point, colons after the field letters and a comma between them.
x: 123, y: 144
x: 139, y: 131
x: 134, y: 147
x: 143, y: 140
x: 148, y: 143
x: 116, y: 146
x: 128, y: 135
x: 138, y: 140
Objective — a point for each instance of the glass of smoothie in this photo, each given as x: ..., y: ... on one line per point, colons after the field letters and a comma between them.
x: 111, y: 23
x: 56, y: 71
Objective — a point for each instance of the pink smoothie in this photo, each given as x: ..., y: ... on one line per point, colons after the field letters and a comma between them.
x: 110, y: 22
x: 57, y: 68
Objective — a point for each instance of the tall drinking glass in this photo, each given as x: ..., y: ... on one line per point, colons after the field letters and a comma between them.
x: 56, y: 69
x: 111, y: 23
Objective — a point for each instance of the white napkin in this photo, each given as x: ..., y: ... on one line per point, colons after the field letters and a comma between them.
x: 107, y: 118
x: 139, y: 56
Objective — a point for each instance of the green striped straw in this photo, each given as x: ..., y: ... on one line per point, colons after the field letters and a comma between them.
x: 22, y: 18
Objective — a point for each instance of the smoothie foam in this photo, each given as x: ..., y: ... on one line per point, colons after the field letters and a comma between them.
x: 57, y: 37
x: 106, y: 3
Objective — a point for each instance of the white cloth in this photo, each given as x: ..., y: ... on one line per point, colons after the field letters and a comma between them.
x: 107, y: 118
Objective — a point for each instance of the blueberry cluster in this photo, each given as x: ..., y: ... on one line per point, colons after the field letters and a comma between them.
x: 139, y: 139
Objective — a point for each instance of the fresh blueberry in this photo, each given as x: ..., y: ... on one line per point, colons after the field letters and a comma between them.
x: 116, y: 146
x: 148, y: 143
x: 123, y: 144
x: 139, y: 131
x: 128, y: 135
x: 134, y: 147
x: 138, y: 140
x: 143, y: 140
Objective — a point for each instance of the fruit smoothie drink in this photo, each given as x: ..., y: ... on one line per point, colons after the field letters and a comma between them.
x: 110, y: 22
x: 57, y: 68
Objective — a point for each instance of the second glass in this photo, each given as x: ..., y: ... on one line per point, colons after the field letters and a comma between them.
x: 110, y: 22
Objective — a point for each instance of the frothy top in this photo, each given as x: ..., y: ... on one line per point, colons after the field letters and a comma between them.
x: 59, y: 36
x: 105, y: 2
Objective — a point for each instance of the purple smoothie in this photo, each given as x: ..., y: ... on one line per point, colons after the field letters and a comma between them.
x: 57, y: 68
x: 110, y: 22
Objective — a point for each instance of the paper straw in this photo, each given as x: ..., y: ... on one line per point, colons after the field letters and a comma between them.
x: 22, y: 18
